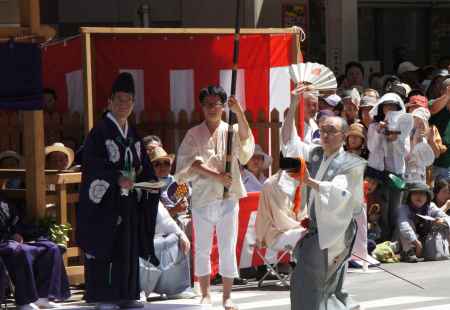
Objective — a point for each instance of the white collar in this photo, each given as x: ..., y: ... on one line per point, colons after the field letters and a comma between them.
x: 124, y: 133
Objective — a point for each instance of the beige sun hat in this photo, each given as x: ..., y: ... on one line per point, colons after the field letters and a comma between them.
x: 60, y: 147
x: 159, y: 153
x: 357, y: 129
x: 267, y: 158
x: 11, y: 154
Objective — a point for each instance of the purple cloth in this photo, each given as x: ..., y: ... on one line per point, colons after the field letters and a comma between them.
x: 36, y: 269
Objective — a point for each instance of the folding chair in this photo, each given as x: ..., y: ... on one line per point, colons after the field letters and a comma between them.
x: 284, y: 280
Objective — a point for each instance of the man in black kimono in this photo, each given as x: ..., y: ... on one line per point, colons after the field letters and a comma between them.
x: 115, y: 222
x: 35, y: 265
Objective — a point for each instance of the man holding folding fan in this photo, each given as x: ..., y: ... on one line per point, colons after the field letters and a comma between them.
x: 334, y: 181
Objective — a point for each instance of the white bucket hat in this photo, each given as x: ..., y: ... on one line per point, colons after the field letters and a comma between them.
x: 267, y: 158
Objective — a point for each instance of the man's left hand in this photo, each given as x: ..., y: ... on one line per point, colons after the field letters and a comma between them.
x: 234, y: 105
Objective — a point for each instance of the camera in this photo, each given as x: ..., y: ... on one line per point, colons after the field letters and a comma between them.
x: 290, y: 164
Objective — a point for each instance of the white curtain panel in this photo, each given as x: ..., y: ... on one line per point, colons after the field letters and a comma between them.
x: 138, y: 76
x: 75, y: 91
x: 182, y: 91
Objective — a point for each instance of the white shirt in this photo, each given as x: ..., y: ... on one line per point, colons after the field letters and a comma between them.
x: 251, y: 182
x: 387, y: 155
x: 200, y: 145
x: 165, y: 224
x: 309, y: 128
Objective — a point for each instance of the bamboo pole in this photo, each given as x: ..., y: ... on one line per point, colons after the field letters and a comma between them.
x: 136, y: 31
x: 87, y: 80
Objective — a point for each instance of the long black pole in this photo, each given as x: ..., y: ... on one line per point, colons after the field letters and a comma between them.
x: 390, y: 272
x: 231, y: 116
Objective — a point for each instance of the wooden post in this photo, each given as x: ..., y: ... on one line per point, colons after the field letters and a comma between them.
x: 30, y: 15
x: 33, y: 135
x: 87, y: 80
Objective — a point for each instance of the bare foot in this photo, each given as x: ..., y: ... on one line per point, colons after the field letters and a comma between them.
x: 206, y: 300
x: 228, y: 304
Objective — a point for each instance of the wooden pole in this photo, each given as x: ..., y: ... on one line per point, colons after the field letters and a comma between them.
x: 33, y: 134
x: 33, y: 137
x: 87, y: 80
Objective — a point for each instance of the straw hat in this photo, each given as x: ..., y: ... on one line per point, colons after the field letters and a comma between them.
x: 267, y: 158
x: 11, y: 154
x: 158, y: 153
x: 59, y: 147
x: 356, y: 129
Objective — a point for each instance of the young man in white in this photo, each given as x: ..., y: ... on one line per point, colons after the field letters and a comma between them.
x: 201, y: 160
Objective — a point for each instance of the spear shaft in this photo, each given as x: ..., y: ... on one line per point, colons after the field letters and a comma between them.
x: 231, y: 115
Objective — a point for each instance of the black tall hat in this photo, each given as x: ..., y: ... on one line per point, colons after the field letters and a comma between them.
x: 123, y: 83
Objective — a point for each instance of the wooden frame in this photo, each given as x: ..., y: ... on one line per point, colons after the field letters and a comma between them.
x: 88, y: 33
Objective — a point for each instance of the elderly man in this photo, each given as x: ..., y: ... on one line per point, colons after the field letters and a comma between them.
x: 334, y: 180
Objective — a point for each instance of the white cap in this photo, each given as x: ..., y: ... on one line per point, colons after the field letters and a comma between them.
x: 332, y: 100
x: 406, y: 66
x: 422, y: 113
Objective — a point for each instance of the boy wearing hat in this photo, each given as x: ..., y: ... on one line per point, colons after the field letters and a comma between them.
x: 114, y: 226
x: 412, y: 228
x: 367, y: 104
x: 355, y: 140
x: 351, y: 100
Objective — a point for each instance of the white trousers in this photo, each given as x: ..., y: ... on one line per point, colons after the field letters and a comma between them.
x: 221, y: 216
x: 290, y: 237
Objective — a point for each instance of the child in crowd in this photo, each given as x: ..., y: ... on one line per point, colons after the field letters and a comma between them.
x: 442, y: 195
x: 420, y: 155
x: 413, y: 227
x: 355, y: 140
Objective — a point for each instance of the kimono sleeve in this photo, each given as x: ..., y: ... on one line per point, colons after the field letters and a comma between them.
x: 188, y: 153
x: 244, y: 149
x: 336, y: 205
x: 99, y: 174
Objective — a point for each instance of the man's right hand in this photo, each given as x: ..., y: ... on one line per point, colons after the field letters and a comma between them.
x: 125, y: 183
x: 225, y: 179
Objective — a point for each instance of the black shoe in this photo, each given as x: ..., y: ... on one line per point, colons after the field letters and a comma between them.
x: 216, y: 280
x: 130, y: 304
x: 240, y: 281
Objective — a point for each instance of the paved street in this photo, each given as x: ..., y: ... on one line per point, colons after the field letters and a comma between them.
x: 374, y: 290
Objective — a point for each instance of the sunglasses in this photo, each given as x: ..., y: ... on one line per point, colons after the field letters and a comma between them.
x: 161, y: 163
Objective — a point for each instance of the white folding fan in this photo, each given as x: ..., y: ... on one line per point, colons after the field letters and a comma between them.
x: 313, y: 76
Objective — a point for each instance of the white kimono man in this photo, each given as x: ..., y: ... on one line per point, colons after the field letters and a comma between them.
x: 201, y: 161
x: 335, y: 196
